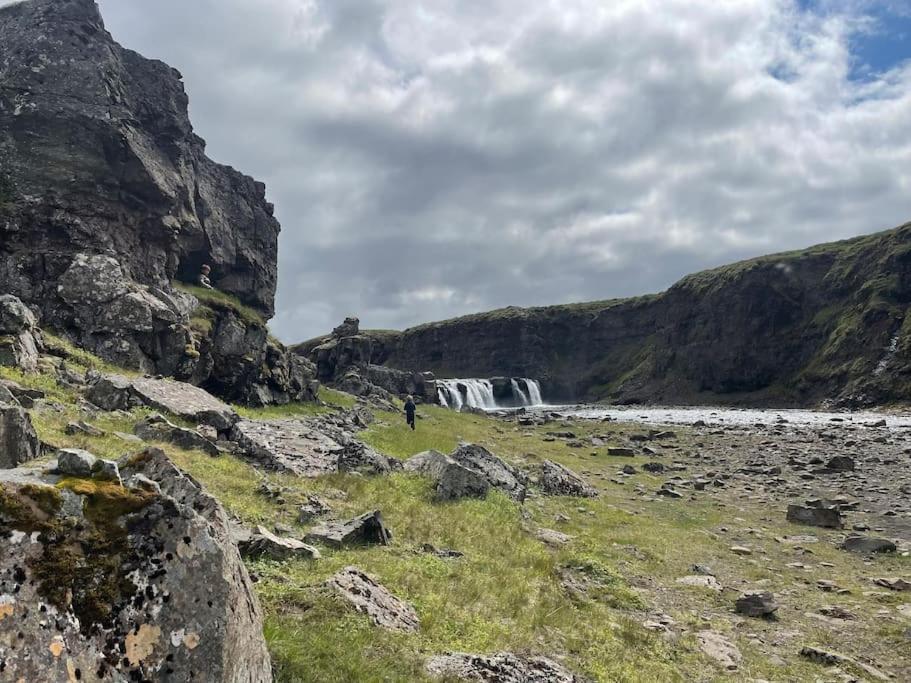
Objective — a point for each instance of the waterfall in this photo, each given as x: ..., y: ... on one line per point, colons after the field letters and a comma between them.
x: 479, y: 393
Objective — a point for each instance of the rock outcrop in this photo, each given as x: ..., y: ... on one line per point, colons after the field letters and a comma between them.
x: 20, y: 339
x: 107, y: 198
x: 138, y: 583
x: 825, y: 323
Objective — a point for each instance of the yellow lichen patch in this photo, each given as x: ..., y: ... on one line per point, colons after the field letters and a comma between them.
x: 107, y: 501
x: 29, y: 508
x: 141, y: 644
x: 191, y: 641
x: 7, y: 604
x: 57, y: 646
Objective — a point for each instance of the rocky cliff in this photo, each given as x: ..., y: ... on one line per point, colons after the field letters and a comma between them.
x: 107, y: 198
x: 825, y: 323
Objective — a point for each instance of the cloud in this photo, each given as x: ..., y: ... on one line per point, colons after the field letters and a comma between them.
x: 433, y: 159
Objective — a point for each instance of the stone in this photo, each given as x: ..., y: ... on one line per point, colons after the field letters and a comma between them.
x: 552, y: 538
x: 15, y: 315
x: 442, y: 553
x: 720, y: 649
x: 83, y: 429
x: 349, y: 328
x: 867, y: 545
x: 503, y: 667
x: 105, y: 470
x: 264, y: 543
x: 365, y: 529
x: 498, y: 473
x: 709, y: 582
x: 18, y: 439
x: 143, y: 483
x: 369, y: 597
x: 74, y: 462
x: 557, y: 480
x: 653, y: 467
x: 158, y: 428
x: 185, y: 401
x: 893, y: 583
x: 313, y: 508
x: 840, y: 463
x: 20, y: 339
x: 621, y: 451
x: 452, y: 480
x: 829, y: 518
x: 756, y: 604
x: 831, y: 658
x: 160, y: 585
x: 668, y: 492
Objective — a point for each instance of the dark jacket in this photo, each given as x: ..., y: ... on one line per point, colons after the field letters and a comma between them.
x: 410, y: 408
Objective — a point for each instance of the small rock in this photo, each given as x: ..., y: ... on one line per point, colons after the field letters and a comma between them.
x: 709, y: 582
x: 867, y: 545
x: 840, y: 463
x: 893, y: 584
x: 557, y: 480
x: 365, y: 529
x: 74, y: 462
x: 83, y: 428
x: 143, y: 483
x: 263, y: 543
x: 313, y: 508
x: 552, y: 538
x: 741, y: 550
x: 827, y: 517
x: 504, y: 667
x: 621, y: 452
x: 374, y: 600
x: 106, y: 470
x: 717, y: 647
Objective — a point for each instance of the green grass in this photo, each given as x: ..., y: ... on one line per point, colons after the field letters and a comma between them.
x: 217, y: 299
x: 329, y: 399
x: 78, y: 358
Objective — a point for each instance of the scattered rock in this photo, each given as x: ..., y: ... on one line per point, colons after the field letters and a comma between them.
x: 504, y: 667
x: 840, y: 463
x: 374, y: 600
x: 442, y: 553
x: 365, y: 529
x: 830, y: 658
x: 867, y: 545
x: 717, y: 647
x: 557, y: 480
x: 836, y: 612
x: 263, y: 543
x: 83, y: 429
x: 453, y: 480
x: 18, y: 439
x: 668, y: 492
x: 893, y: 584
x: 498, y: 473
x: 756, y: 604
x: 653, y: 467
x: 709, y: 582
x: 313, y: 508
x: 158, y: 428
x: 552, y: 538
x: 621, y: 452
x: 827, y: 517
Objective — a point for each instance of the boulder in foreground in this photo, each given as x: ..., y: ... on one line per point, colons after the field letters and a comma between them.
x: 137, y: 585
x: 498, y: 473
x: 452, y: 480
x: 374, y: 600
x: 557, y: 480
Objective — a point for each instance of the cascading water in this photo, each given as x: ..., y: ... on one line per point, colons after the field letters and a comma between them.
x: 479, y: 393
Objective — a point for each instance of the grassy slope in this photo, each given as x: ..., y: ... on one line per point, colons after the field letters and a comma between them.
x: 505, y: 592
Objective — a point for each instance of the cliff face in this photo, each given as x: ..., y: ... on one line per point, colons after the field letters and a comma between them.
x: 107, y: 198
x: 826, y: 323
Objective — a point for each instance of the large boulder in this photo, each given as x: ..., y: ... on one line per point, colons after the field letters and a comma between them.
x: 140, y: 584
x: 18, y: 439
x: 557, y: 480
x: 498, y: 473
x: 451, y: 480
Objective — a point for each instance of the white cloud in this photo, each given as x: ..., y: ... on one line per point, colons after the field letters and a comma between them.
x: 431, y: 159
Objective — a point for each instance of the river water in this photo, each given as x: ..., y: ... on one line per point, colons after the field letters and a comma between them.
x: 714, y: 416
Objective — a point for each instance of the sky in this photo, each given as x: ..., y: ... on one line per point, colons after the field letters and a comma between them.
x: 434, y: 159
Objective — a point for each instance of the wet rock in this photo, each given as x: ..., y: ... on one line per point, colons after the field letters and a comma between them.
x: 374, y: 600
x: 264, y: 543
x: 504, y: 667
x: 868, y: 545
x: 557, y: 480
x: 453, y: 480
x: 826, y: 517
x: 498, y: 473
x: 756, y: 604
x: 160, y: 592
x: 158, y: 428
x: 18, y: 439
x: 720, y: 649
x: 365, y: 529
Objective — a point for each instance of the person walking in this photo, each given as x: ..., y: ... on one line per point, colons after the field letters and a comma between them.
x: 410, y: 409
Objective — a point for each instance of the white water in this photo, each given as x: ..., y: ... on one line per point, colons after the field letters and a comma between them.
x: 478, y: 393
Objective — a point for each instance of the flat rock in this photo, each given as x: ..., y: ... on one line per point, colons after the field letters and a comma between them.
x: 498, y: 473
x: 452, y: 479
x: 717, y: 647
x: 75, y: 462
x: 557, y: 480
x: 504, y: 667
x: 868, y: 545
x: 552, y: 538
x: 621, y: 451
x: 365, y: 529
x: 893, y: 583
x: 292, y: 446
x: 374, y: 600
x: 827, y: 517
x: 263, y: 543
x: 709, y: 582
x: 115, y: 392
x: 158, y: 428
